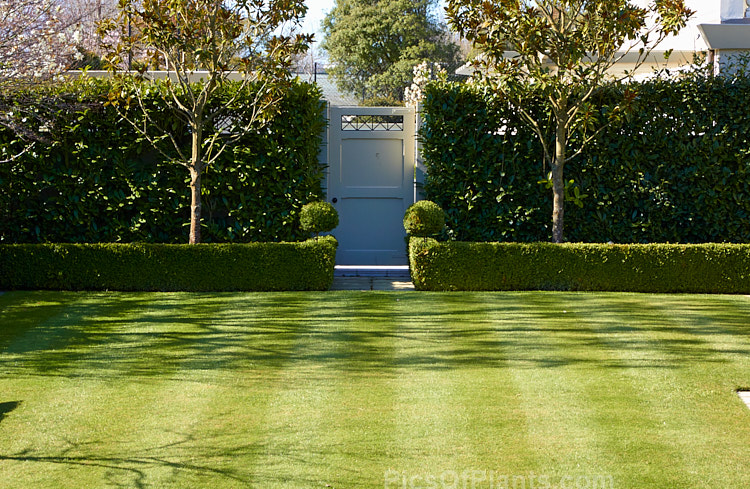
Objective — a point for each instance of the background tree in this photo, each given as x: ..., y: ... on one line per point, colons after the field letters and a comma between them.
x: 307, y: 64
x: 217, y: 37
x: 36, y: 44
x: 563, y: 51
x: 85, y: 15
x: 373, y: 45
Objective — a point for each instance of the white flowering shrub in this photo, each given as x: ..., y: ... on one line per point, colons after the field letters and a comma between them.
x: 34, y: 42
x: 423, y: 74
x: 35, y: 45
x: 86, y: 16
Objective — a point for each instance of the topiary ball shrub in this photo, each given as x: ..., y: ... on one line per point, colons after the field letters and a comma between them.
x: 424, y: 218
x: 318, y: 217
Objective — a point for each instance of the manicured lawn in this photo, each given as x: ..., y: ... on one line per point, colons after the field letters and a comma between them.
x: 366, y: 390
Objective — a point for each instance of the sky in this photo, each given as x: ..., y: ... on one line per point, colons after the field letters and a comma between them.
x: 316, y: 11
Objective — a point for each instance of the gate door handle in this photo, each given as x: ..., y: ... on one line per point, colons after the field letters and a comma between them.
x: 334, y: 200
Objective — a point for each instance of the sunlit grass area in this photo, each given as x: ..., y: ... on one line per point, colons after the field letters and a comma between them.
x: 367, y: 389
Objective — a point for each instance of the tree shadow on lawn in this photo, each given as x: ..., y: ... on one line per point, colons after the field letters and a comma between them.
x: 7, y: 407
x: 125, y: 467
x: 142, y: 335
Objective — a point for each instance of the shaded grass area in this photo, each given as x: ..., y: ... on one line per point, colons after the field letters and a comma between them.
x: 367, y: 389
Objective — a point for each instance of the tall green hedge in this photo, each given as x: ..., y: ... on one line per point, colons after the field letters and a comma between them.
x: 678, y: 170
x: 306, y: 265
x: 100, y: 182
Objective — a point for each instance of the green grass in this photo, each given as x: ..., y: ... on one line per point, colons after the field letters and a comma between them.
x: 366, y: 390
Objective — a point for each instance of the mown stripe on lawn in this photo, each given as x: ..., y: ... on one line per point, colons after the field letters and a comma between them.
x: 65, y: 416
x: 168, y: 348
x: 189, y: 350
x: 425, y: 417
x: 261, y: 344
x: 569, y: 393
x: 298, y: 439
x: 457, y: 405
x: 632, y: 432
x: 546, y: 368
x: 700, y: 340
x: 359, y: 419
x: 34, y: 309
x: 228, y: 352
x: 494, y: 413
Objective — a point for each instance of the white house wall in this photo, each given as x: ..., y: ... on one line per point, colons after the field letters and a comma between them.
x: 689, y: 38
x: 730, y: 9
x: 706, y: 12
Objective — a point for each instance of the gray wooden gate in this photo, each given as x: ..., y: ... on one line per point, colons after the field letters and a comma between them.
x: 371, y: 161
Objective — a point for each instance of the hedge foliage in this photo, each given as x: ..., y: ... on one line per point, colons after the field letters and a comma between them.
x: 304, y: 265
x: 656, y: 268
x: 678, y: 170
x: 100, y: 182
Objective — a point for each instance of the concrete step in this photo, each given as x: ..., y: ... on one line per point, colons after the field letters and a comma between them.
x: 382, y: 271
x: 371, y: 283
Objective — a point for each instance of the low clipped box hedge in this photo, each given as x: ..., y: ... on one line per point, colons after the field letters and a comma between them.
x: 306, y: 265
x: 656, y: 268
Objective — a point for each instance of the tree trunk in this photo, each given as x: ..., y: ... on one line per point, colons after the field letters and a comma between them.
x: 195, y: 206
x: 558, y: 183
x: 196, y: 169
x: 558, y: 202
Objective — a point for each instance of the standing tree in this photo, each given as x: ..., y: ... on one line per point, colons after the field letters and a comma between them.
x: 560, y: 52
x: 210, y: 40
x: 373, y: 45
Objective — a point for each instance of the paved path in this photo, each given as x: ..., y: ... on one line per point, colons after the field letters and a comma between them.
x: 372, y: 277
x: 371, y: 283
x: 745, y: 396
